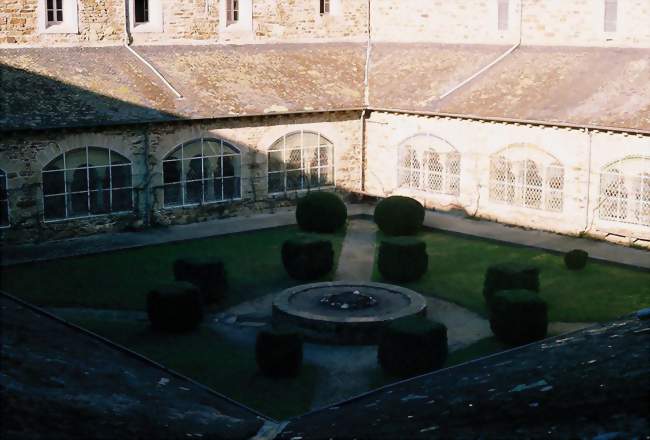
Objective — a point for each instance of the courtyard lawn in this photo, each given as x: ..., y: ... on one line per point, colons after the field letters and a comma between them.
x: 600, y: 292
x: 121, y: 279
x: 205, y: 357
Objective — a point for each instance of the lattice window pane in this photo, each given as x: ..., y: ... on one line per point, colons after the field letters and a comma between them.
x: 425, y: 169
x: 555, y: 188
x: 614, y: 196
x: 532, y: 185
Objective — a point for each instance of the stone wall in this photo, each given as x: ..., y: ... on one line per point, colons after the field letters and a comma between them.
x: 583, y: 154
x: 23, y: 155
x: 544, y: 22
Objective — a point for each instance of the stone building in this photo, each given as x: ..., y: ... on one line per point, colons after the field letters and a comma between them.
x: 125, y: 113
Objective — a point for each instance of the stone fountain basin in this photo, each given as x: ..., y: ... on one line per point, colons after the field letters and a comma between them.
x: 300, y: 308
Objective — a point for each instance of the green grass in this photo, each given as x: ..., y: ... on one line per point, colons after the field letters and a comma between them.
x: 121, y: 280
x: 600, y: 292
x: 205, y: 357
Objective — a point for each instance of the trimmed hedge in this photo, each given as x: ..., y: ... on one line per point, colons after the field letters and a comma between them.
x: 518, y: 316
x: 398, y: 215
x: 402, y: 259
x: 175, y: 307
x: 307, y: 258
x: 508, y: 276
x: 279, y: 354
x: 207, y: 274
x: 576, y: 259
x: 321, y: 212
x: 412, y: 346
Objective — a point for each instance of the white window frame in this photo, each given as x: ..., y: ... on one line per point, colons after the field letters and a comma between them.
x: 302, y: 148
x: 419, y: 178
x: 183, y: 182
x: 628, y: 202
x: 156, y: 20
x: 551, y: 195
x: 616, y: 22
x: 69, y: 25
x: 4, y: 199
x: 66, y: 193
x: 503, y: 27
x: 244, y: 23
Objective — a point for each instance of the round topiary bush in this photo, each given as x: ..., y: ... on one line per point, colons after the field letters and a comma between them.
x: 175, y: 307
x: 576, y: 259
x: 402, y: 259
x: 508, y: 276
x: 398, y: 215
x: 518, y: 316
x: 207, y: 274
x: 412, y: 346
x: 307, y: 258
x: 321, y: 212
x: 279, y: 354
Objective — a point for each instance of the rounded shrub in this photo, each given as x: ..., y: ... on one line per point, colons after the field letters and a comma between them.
x: 518, y: 316
x: 509, y: 276
x: 412, y: 346
x: 175, y: 307
x: 307, y: 258
x: 208, y: 274
x: 402, y: 259
x: 398, y: 215
x: 576, y: 259
x: 321, y: 212
x: 278, y: 353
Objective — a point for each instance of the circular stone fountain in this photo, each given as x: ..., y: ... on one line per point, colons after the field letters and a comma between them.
x: 344, y: 312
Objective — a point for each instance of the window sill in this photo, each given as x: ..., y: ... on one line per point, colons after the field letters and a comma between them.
x: 196, y: 205
x: 61, y: 28
x: 147, y: 28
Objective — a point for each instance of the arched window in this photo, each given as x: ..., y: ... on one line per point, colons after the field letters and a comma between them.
x: 202, y: 171
x: 625, y: 191
x: 300, y: 160
x: 4, y: 200
x: 427, y: 163
x: 87, y: 181
x: 521, y: 177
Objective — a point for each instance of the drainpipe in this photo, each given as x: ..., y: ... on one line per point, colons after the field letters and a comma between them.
x: 128, y: 40
x: 498, y: 60
x: 366, y: 102
x: 589, y: 138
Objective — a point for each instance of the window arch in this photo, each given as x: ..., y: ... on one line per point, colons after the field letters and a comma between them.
x: 204, y: 170
x: 300, y: 160
x: 427, y: 163
x: 520, y: 176
x: 625, y: 191
x: 85, y: 182
x: 4, y: 200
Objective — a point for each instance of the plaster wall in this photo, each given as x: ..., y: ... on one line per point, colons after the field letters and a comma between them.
x: 582, y: 154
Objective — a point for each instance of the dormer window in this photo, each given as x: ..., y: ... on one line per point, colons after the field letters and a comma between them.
x: 324, y: 7
x: 611, y: 15
x: 141, y: 11
x: 54, y: 12
x: 503, y: 7
x: 232, y: 11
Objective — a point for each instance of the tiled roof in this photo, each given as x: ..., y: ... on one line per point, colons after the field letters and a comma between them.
x: 57, y: 382
x: 71, y: 87
x: 592, y: 382
x: 574, y: 86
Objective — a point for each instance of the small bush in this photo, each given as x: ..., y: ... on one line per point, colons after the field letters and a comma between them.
x: 398, y: 215
x: 508, y: 276
x: 279, y: 354
x: 576, y: 259
x: 175, y: 307
x: 402, y: 259
x: 518, y: 316
x: 412, y: 346
x: 307, y: 258
x: 207, y: 274
x: 321, y: 212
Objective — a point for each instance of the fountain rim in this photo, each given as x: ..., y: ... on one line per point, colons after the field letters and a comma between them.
x: 417, y: 302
